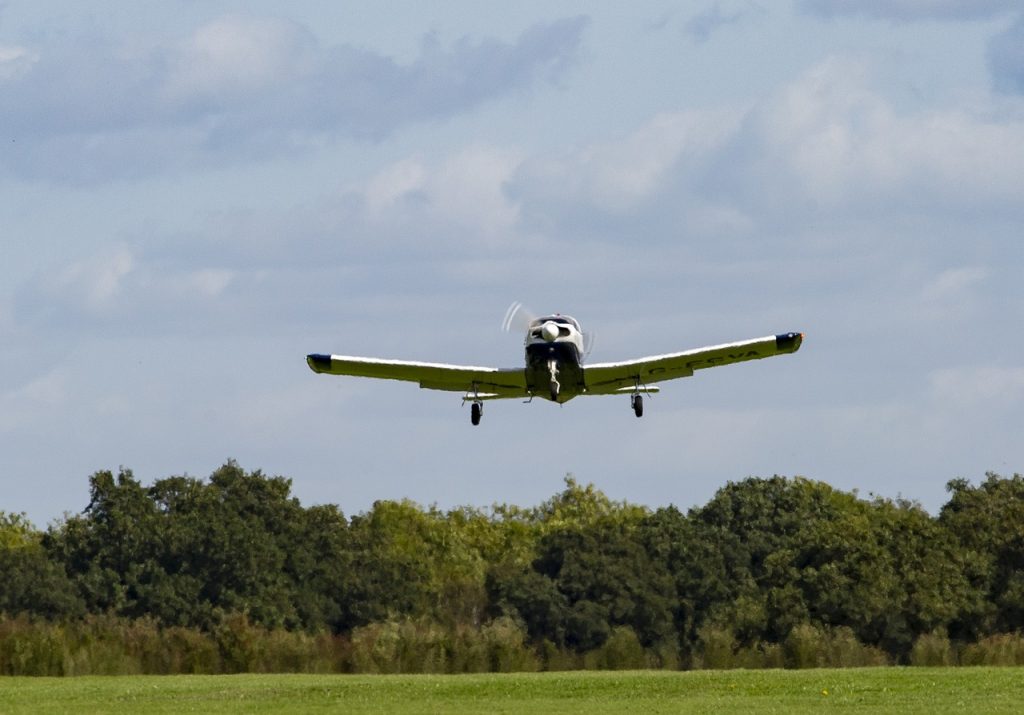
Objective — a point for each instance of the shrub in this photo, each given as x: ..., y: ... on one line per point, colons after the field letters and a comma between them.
x: 622, y: 651
x: 506, y: 648
x: 804, y: 647
x: 843, y: 650
x: 31, y: 648
x: 760, y: 655
x: 1000, y: 649
x: 554, y: 658
x: 716, y: 648
x: 239, y: 643
x: 185, y: 651
x: 99, y: 646
x: 932, y: 649
x: 399, y: 647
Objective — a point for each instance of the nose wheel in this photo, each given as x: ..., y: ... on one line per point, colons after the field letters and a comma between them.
x: 475, y: 411
x: 637, y: 402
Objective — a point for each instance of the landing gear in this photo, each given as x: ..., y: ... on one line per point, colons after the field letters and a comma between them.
x: 637, y: 401
x: 475, y: 411
x: 554, y: 384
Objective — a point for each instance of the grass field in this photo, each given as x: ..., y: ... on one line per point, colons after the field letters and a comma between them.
x: 903, y: 690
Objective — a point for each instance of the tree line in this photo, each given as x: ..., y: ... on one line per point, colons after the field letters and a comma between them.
x: 232, y: 573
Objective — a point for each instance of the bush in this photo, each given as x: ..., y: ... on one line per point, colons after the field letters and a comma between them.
x: 1000, y: 649
x: 809, y: 646
x: 426, y: 647
x: 933, y: 649
x: 239, y: 643
x: 804, y: 647
x: 760, y: 655
x: 399, y: 647
x: 99, y: 645
x: 622, y: 651
x: 843, y: 650
x: 716, y: 648
x: 184, y: 651
x: 31, y: 648
x: 554, y: 658
x: 506, y: 648
x: 665, y: 655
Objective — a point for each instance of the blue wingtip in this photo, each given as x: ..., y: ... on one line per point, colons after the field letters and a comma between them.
x: 318, y: 362
x: 789, y: 342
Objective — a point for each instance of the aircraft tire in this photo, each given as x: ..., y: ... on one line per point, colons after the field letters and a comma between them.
x: 475, y: 411
x: 638, y: 405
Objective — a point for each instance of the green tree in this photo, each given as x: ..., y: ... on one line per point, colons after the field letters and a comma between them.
x: 187, y: 552
x: 110, y: 550
x: 988, y: 520
x: 797, y: 551
x: 30, y: 582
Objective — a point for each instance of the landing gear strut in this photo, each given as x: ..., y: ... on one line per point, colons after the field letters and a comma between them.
x: 475, y: 411
x: 637, y: 401
x: 554, y: 385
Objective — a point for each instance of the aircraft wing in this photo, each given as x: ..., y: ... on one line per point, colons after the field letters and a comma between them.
x: 487, y: 383
x: 612, y: 377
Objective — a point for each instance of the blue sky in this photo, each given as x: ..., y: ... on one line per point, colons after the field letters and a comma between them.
x: 195, y: 195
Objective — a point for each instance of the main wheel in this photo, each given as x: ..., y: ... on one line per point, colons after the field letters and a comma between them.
x: 475, y: 410
x: 638, y: 405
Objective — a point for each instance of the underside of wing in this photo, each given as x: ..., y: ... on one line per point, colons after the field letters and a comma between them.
x: 484, y: 383
x: 610, y: 377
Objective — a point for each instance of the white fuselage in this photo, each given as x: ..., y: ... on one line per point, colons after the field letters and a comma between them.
x: 554, y: 358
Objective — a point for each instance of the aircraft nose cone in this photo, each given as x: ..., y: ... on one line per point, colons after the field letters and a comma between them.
x: 549, y: 331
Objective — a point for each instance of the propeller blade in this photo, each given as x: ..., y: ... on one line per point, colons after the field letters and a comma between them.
x: 517, y: 317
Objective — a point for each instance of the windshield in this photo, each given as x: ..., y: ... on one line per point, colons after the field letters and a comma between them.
x: 557, y: 319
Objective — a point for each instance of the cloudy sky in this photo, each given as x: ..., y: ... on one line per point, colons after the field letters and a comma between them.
x: 193, y: 196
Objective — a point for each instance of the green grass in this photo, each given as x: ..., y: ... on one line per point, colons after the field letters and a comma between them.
x: 902, y: 690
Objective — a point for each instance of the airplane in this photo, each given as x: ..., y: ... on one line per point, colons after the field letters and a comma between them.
x: 555, y: 368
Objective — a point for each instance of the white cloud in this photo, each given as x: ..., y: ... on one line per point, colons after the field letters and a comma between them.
x: 908, y: 10
x: 619, y: 176
x: 239, y: 55
x: 825, y: 152
x: 977, y: 387
x: 719, y: 15
x: 954, y: 284
x: 392, y: 184
x: 15, y: 61
x: 93, y: 285
x: 243, y: 87
x: 1006, y: 58
x: 790, y: 181
x: 34, y: 400
x: 210, y: 282
x: 830, y: 140
x: 464, y: 190
x: 124, y: 291
x: 468, y: 190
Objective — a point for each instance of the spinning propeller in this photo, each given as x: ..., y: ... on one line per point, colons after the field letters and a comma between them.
x: 517, y: 316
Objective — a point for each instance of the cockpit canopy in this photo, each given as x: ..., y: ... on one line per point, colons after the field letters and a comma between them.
x: 557, y: 319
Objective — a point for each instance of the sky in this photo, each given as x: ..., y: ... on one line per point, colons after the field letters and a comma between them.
x: 194, y: 196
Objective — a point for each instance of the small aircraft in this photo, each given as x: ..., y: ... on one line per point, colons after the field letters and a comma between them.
x: 555, y: 367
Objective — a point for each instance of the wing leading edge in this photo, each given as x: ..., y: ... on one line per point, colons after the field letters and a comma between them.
x: 611, y: 377
x: 486, y: 383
